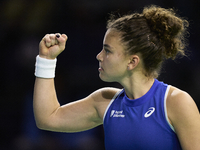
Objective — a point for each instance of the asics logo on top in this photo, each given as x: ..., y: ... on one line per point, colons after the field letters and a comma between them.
x: 115, y: 113
x: 149, y: 112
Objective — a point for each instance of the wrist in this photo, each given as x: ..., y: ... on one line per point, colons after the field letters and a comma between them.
x: 46, y: 57
x: 45, y: 68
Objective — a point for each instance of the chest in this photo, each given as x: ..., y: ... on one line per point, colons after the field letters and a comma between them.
x: 135, y: 123
x: 140, y: 127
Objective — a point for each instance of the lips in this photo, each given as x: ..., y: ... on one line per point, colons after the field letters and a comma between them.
x: 100, y: 68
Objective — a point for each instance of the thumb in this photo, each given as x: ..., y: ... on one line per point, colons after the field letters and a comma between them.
x: 61, y: 40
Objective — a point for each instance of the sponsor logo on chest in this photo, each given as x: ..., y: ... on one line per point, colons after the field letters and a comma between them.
x: 149, y: 112
x: 116, y: 113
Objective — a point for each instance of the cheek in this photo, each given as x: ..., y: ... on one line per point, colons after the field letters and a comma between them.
x: 115, y: 63
x: 117, y: 67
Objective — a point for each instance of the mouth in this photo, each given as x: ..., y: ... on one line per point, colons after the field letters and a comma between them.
x: 100, y: 69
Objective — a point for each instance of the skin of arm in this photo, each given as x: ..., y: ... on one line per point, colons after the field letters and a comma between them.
x: 72, y: 117
x: 185, y: 118
x: 77, y: 116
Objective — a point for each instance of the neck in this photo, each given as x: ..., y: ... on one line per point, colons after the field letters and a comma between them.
x: 137, y: 86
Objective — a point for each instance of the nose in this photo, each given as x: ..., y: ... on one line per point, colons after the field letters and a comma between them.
x: 99, y: 56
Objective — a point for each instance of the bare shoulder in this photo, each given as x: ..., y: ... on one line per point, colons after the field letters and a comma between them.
x: 184, y: 117
x: 102, y: 98
x: 180, y: 103
x: 105, y: 93
x: 178, y: 100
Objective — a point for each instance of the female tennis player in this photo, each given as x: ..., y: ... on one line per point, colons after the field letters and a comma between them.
x: 146, y: 114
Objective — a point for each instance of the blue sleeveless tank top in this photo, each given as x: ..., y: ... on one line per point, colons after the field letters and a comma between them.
x: 140, y: 124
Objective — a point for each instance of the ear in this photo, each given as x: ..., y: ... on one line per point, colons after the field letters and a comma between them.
x: 133, y: 62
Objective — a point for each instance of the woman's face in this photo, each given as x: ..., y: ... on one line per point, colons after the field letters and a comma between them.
x: 112, y: 59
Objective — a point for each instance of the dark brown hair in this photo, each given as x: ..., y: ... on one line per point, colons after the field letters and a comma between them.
x: 156, y: 34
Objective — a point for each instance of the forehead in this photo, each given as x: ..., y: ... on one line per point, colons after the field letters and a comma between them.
x: 112, y: 37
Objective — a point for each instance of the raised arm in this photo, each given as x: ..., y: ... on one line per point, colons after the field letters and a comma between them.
x: 185, y: 118
x: 49, y: 115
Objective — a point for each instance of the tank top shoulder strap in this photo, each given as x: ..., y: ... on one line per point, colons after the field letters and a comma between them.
x: 114, y: 97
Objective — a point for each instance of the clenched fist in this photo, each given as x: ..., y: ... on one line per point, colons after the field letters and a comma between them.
x: 52, y: 45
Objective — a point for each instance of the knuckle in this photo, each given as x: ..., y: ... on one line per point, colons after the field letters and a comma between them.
x: 48, y: 40
x: 46, y: 35
x: 52, y: 36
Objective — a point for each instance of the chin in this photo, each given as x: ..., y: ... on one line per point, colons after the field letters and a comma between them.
x: 105, y: 79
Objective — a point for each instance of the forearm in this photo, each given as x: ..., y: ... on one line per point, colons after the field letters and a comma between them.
x: 45, y: 101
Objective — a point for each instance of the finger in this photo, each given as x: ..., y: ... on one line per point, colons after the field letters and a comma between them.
x: 47, y: 40
x: 65, y: 37
x: 56, y: 42
x: 53, y: 39
x: 57, y: 36
x: 62, y: 40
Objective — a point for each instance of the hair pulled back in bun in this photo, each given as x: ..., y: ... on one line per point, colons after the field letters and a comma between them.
x: 168, y: 27
x: 157, y: 33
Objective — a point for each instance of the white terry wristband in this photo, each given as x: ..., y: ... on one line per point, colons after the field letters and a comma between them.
x: 45, y: 68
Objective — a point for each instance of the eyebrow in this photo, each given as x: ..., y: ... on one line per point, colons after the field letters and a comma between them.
x: 107, y: 46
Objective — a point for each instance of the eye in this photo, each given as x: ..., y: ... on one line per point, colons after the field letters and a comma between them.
x: 106, y: 50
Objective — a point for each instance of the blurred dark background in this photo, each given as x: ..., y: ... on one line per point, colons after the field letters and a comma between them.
x: 23, y: 23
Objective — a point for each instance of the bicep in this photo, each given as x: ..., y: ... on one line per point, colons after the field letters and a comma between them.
x: 83, y: 114
x: 76, y: 116
x: 185, y: 118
